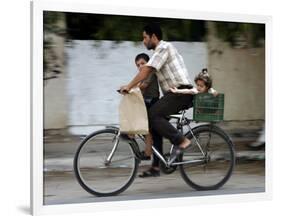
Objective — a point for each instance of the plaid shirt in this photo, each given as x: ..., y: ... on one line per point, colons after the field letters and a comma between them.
x: 169, y: 65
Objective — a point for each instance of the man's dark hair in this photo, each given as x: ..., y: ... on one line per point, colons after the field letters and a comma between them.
x: 153, y: 28
x: 142, y: 56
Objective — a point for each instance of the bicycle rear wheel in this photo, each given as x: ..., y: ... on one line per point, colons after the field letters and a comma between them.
x: 95, y: 174
x: 217, y: 162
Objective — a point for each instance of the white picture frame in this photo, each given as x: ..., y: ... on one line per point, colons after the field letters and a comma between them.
x: 37, y: 8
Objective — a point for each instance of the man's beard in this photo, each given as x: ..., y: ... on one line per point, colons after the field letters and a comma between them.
x: 150, y: 46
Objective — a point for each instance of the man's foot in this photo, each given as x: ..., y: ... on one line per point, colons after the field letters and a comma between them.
x: 185, y: 143
x: 150, y: 173
x: 177, y: 150
x: 174, y: 155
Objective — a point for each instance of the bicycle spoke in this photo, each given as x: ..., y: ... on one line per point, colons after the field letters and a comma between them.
x: 219, y: 159
x: 95, y: 173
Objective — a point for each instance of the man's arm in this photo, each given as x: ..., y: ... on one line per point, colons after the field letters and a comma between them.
x: 142, y: 74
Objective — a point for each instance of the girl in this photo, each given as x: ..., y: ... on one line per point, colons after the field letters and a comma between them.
x: 203, y: 83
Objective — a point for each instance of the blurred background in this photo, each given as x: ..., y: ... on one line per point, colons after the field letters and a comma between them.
x: 88, y: 56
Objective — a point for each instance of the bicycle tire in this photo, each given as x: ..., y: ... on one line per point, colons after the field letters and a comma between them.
x: 97, y: 177
x: 224, y: 157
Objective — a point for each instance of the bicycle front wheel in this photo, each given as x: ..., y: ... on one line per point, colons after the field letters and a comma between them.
x: 95, y: 173
x: 213, y: 150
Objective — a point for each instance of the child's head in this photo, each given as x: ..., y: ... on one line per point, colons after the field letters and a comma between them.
x: 203, y: 81
x: 141, y: 59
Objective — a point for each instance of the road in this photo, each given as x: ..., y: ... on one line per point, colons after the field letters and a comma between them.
x: 62, y: 188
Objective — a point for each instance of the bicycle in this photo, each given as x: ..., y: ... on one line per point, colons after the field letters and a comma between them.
x: 106, y: 162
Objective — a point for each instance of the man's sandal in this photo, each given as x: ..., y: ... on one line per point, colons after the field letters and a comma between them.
x: 150, y: 173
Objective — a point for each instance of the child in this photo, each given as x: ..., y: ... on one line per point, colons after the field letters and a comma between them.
x: 150, y: 91
x: 203, y: 83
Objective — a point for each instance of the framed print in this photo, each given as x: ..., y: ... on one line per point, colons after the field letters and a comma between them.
x: 201, y: 81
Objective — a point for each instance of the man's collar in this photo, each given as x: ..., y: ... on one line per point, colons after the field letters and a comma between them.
x: 160, y: 42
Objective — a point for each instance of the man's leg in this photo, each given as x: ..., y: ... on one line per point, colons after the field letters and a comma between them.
x: 158, y: 144
x: 157, y: 141
x: 169, y: 104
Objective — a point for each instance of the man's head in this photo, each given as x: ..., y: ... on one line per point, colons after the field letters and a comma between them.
x: 141, y: 59
x: 152, y: 34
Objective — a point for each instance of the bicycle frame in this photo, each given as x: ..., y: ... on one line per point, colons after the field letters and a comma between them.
x: 201, y: 136
x: 182, y: 120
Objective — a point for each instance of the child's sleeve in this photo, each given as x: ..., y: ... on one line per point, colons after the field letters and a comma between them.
x: 212, y: 91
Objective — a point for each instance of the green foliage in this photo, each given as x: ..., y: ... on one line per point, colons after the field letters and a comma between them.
x: 233, y: 32
x: 129, y: 28
x: 53, y: 24
x: 119, y: 28
x: 50, y: 21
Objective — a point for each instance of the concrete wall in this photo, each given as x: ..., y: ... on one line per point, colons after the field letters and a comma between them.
x: 96, y: 69
x: 55, y: 104
x: 84, y: 96
x: 55, y: 95
x: 240, y: 74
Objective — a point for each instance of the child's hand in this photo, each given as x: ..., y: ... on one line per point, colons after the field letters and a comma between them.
x: 174, y: 90
x: 215, y: 93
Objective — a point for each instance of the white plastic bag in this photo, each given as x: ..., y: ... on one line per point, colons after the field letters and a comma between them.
x: 132, y: 113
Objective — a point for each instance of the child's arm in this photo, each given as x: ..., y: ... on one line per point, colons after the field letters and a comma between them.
x: 213, y: 92
x: 142, y: 85
x: 184, y: 91
x: 145, y: 83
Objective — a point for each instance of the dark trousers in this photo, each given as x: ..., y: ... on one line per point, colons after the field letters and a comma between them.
x: 169, y: 104
x: 157, y: 139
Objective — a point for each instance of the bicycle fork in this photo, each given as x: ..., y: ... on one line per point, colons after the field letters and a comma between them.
x: 116, y: 142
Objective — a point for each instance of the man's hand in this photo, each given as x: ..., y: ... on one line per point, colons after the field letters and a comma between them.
x: 143, y: 74
x: 124, y: 89
x: 174, y: 90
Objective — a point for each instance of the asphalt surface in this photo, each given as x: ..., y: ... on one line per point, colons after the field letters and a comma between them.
x: 61, y: 186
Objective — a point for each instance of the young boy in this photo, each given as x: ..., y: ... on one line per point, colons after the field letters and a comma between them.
x: 150, y: 91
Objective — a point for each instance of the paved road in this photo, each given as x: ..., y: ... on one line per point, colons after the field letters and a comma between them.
x: 62, y: 187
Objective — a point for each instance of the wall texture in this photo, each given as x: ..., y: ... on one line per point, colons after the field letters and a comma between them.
x: 240, y: 74
x: 84, y: 96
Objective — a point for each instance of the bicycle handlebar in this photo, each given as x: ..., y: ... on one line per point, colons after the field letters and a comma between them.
x: 119, y: 91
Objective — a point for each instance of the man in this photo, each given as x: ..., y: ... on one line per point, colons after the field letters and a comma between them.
x: 171, y: 72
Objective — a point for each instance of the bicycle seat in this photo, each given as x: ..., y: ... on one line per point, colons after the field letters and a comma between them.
x: 178, y: 115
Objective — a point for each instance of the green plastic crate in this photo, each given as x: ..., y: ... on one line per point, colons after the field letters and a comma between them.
x: 208, y: 108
